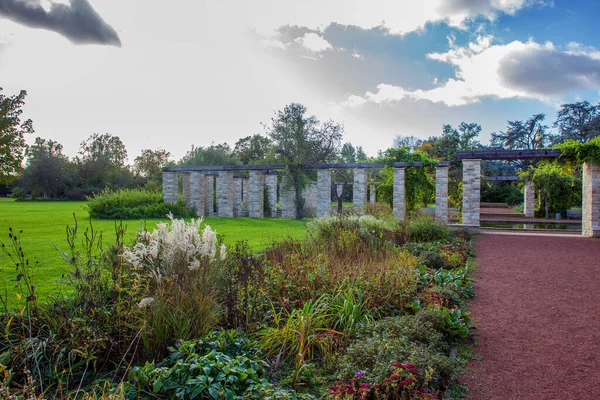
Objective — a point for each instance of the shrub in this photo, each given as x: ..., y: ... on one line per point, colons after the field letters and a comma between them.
x: 133, y: 204
x: 177, y: 264
x: 432, y: 259
x: 423, y: 228
x: 417, y: 339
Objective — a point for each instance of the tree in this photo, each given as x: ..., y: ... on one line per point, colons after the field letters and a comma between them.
x: 412, y: 142
x: 529, y: 135
x: 215, y: 154
x: 254, y: 149
x: 101, y: 162
x: 12, y: 135
x: 578, y: 121
x: 48, y: 171
x: 149, y: 164
x: 301, y: 139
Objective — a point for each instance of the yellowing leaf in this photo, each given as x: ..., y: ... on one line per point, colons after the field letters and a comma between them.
x: 18, y: 296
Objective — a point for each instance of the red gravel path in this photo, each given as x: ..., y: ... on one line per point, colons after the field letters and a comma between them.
x: 537, y: 311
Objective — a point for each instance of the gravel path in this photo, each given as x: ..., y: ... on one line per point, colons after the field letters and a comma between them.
x: 537, y: 312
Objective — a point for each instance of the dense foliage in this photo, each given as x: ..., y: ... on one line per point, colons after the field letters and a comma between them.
x: 155, y: 319
x: 134, y: 204
x: 12, y: 135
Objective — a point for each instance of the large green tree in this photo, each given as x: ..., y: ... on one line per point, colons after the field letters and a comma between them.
x: 48, y: 172
x: 577, y: 121
x: 523, y: 135
x: 302, y: 139
x: 215, y: 154
x: 101, y: 162
x: 255, y: 149
x: 12, y: 135
x: 149, y: 163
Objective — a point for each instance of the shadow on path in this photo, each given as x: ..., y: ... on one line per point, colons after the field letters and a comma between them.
x: 537, y: 312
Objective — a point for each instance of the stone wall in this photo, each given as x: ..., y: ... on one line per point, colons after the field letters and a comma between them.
x: 372, y: 194
x: 441, y: 194
x: 287, y: 199
x: 591, y: 200
x: 170, y: 187
x: 399, y: 196
x: 359, y: 193
x: 256, y: 195
x: 209, y: 205
x: 529, y: 197
x: 271, y: 185
x: 186, y: 189
x: 225, y: 194
x: 310, y: 200
x: 198, y: 192
x: 323, y: 192
x: 471, y: 192
x: 245, y: 194
x: 237, y: 197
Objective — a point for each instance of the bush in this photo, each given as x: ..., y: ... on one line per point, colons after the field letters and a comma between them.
x: 418, y: 339
x: 423, y: 228
x: 432, y: 259
x: 134, y: 204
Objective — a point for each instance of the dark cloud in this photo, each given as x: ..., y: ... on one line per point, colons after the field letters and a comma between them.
x: 549, y: 72
x: 471, y: 7
x: 78, y: 22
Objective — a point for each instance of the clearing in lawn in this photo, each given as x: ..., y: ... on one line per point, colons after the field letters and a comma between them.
x: 43, y: 225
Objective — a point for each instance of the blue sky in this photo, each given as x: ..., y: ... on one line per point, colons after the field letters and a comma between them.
x: 191, y: 73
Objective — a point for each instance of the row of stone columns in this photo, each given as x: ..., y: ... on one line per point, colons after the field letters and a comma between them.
x: 238, y: 196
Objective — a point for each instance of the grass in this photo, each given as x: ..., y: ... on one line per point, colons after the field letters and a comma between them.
x: 43, y: 224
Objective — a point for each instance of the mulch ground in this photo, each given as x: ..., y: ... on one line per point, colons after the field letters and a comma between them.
x: 537, y: 312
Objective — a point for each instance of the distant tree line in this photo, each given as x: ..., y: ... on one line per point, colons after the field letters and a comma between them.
x: 293, y: 137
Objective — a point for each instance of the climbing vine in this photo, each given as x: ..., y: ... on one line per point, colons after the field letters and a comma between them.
x: 420, y: 184
x: 574, y: 152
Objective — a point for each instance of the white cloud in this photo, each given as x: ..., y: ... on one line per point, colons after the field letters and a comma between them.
x: 517, y: 69
x: 314, y: 42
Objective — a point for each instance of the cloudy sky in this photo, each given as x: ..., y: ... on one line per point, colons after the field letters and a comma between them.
x: 187, y: 72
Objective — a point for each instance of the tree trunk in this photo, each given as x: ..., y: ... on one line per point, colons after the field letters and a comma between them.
x: 546, y: 198
x: 299, y: 203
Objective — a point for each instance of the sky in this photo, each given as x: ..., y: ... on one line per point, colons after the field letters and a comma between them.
x: 186, y: 72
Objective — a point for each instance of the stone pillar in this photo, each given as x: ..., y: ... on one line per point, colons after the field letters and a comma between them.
x: 237, y: 197
x: 441, y: 194
x: 225, y: 194
x: 271, y: 184
x: 209, y: 205
x: 287, y: 200
x: 529, y: 203
x: 399, y: 196
x: 590, y: 213
x: 471, y: 192
x: 372, y: 194
x: 245, y: 192
x: 198, y: 192
x: 170, y: 191
x: 323, y: 192
x: 359, y: 193
x: 310, y: 200
x: 186, y: 189
x: 256, y: 194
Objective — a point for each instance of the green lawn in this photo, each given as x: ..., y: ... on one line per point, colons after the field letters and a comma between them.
x: 43, y: 225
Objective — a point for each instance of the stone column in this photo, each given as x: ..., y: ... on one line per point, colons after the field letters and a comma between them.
x: 198, y: 192
x: 170, y: 191
x: 310, y: 200
x: 399, y: 197
x: 372, y: 194
x: 225, y: 194
x: 471, y: 192
x: 271, y: 184
x: 186, y: 189
x: 590, y: 214
x: 287, y: 200
x: 256, y: 194
x: 359, y: 193
x: 323, y: 192
x: 237, y: 197
x: 441, y: 194
x: 245, y: 193
x: 209, y: 205
x: 529, y: 203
